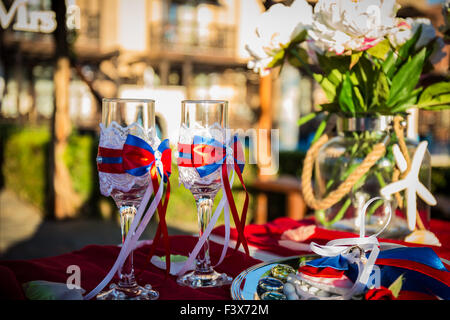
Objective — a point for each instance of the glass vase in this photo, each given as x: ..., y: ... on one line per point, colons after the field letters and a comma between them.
x: 341, y: 155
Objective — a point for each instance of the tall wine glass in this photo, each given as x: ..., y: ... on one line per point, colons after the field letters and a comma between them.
x: 121, y: 117
x: 206, y: 119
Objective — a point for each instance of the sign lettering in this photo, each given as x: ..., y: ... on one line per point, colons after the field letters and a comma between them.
x: 35, y: 20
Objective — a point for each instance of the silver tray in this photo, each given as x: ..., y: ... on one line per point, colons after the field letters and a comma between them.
x: 244, y: 285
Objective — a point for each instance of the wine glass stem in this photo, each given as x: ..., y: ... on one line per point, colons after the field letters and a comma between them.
x: 126, y: 273
x: 204, y: 209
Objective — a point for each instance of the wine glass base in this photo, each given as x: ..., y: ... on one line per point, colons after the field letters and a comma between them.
x: 133, y: 293
x: 195, y: 279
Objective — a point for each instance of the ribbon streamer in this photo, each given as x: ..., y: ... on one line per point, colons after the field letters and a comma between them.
x: 137, y: 158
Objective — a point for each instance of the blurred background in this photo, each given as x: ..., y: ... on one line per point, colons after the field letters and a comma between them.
x: 54, y: 75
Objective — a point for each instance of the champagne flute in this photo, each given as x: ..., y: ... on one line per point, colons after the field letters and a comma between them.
x: 208, y: 120
x: 121, y: 117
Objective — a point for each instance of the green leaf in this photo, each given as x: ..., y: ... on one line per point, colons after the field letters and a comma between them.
x: 339, y: 63
x: 306, y: 118
x: 380, y: 90
x: 332, y: 107
x: 340, y: 213
x: 355, y: 58
x: 298, y: 57
x: 299, y: 38
x: 396, y: 59
x: 436, y: 96
x: 328, y: 87
x: 406, y: 79
x: 407, y: 49
x: 335, y: 77
x: 407, y: 102
x: 174, y: 258
x: 365, y: 72
x: 320, y: 129
x: 346, y: 95
x: 277, y: 60
x: 396, y: 286
x: 358, y: 100
x: 380, y: 50
x: 389, y: 65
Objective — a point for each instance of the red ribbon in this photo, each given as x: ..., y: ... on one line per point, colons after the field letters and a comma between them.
x: 443, y: 276
x: 240, y: 224
x: 162, y: 226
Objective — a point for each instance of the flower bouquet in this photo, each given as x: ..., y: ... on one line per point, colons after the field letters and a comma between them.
x: 369, y: 64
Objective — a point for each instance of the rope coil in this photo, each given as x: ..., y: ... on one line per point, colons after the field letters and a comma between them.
x: 335, y: 196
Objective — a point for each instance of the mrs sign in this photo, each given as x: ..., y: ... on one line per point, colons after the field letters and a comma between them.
x: 35, y: 20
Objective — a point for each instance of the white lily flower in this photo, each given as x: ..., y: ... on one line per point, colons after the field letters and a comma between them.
x: 405, y: 30
x: 276, y: 28
x: 348, y: 25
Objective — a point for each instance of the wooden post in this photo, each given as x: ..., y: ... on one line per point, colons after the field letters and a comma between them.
x: 63, y: 200
x: 265, y: 122
x: 187, y: 74
x: 164, y: 70
x: 296, y: 206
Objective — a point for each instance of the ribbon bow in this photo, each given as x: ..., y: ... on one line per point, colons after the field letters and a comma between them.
x: 207, y: 155
x: 136, y: 157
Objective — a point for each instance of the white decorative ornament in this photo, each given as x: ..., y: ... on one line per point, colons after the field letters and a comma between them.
x: 411, y: 183
x: 423, y: 237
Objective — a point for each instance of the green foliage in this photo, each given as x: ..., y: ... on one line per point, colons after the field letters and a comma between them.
x: 379, y: 81
x: 25, y: 157
x: 80, y: 162
x: 25, y: 169
x: 404, y: 82
x: 435, y: 97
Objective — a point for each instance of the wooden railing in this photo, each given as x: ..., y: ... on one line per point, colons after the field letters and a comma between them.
x: 193, y: 39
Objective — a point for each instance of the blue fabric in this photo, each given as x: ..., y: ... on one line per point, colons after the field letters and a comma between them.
x: 184, y: 155
x: 164, y: 145
x: 425, y: 256
x: 337, y: 262
x: 138, y: 142
x: 203, y: 171
x: 414, y: 281
x: 137, y: 172
x: 111, y: 160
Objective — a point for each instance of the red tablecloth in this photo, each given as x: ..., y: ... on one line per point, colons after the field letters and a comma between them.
x: 95, y: 261
x: 266, y: 236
